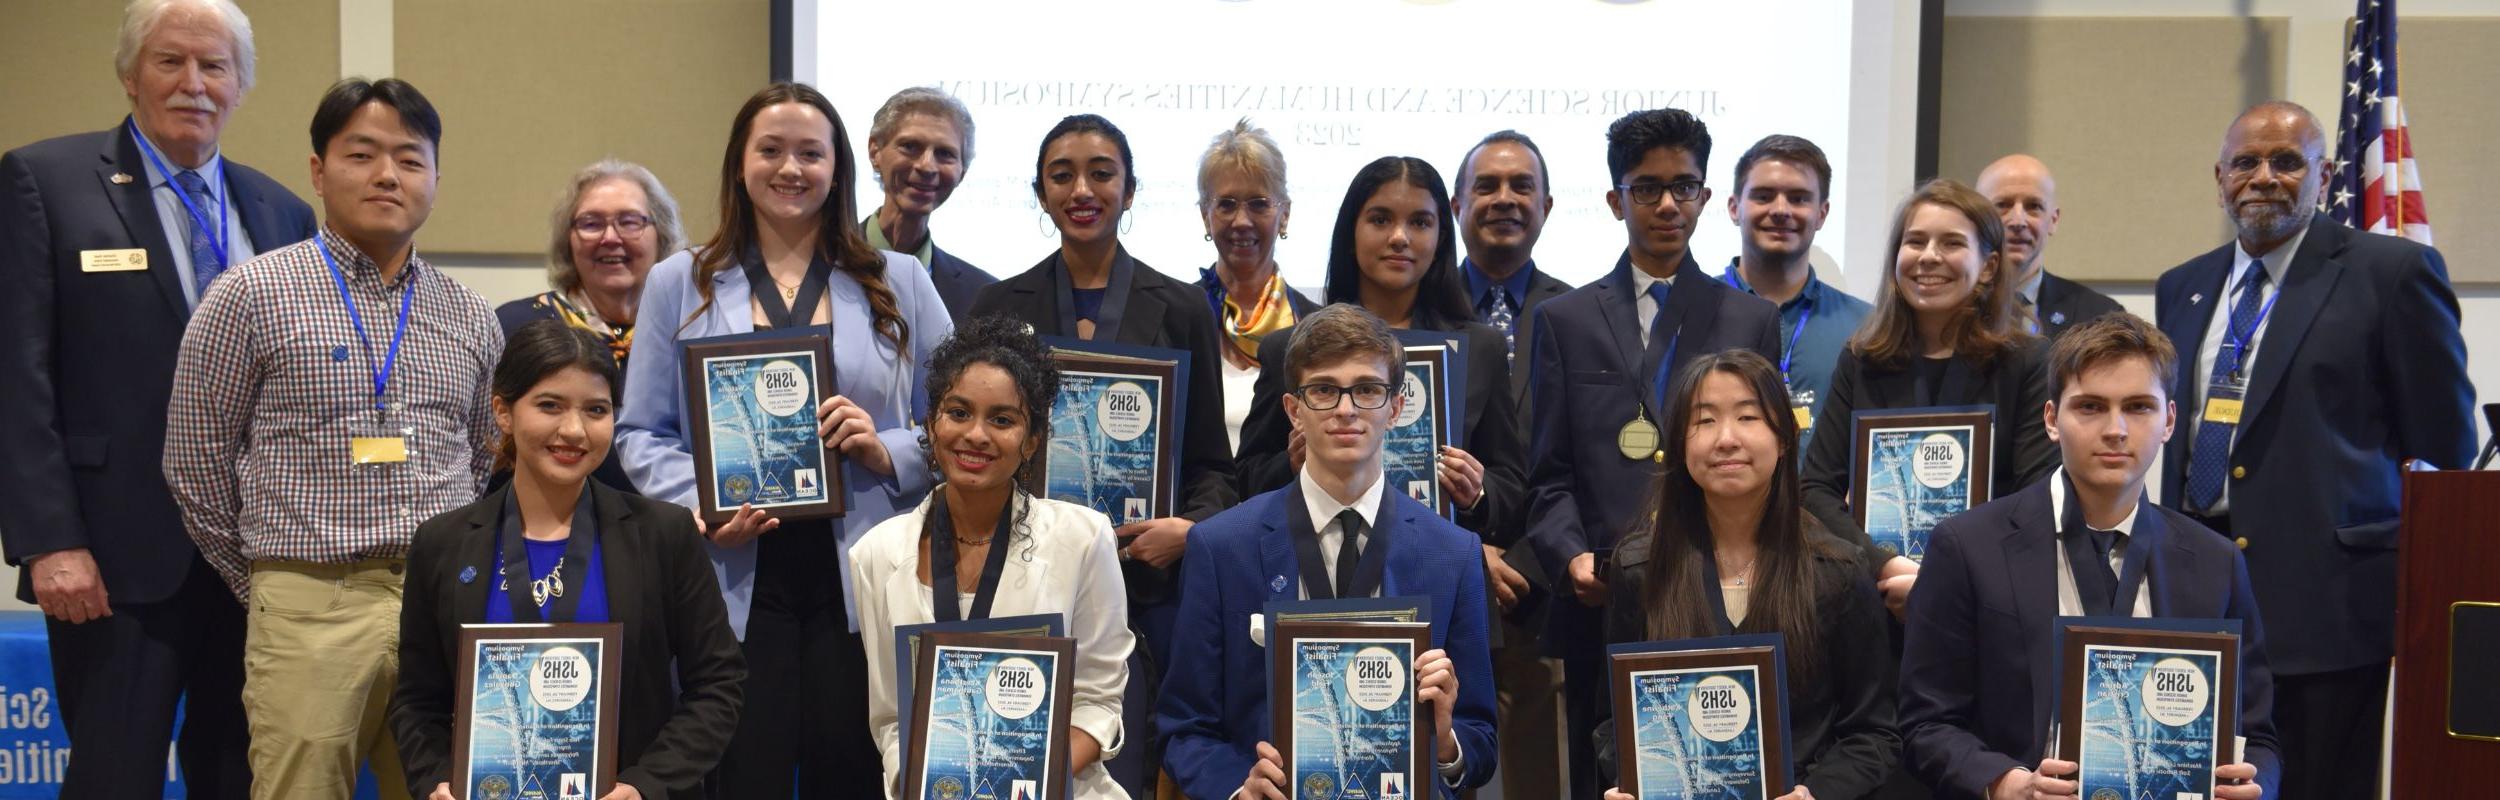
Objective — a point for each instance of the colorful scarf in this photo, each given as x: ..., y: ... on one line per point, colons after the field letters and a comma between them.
x: 574, y: 312
x: 1273, y: 312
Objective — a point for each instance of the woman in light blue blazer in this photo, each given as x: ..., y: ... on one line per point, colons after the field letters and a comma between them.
x: 786, y: 212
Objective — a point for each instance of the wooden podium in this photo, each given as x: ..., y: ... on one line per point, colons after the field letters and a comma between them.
x: 2450, y: 556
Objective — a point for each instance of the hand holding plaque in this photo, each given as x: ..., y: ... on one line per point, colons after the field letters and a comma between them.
x: 1345, y: 709
x: 536, y: 712
x: 2147, y: 707
x: 751, y: 403
x: 990, y: 717
x: 1115, y: 430
x: 1912, y: 467
x: 1701, y: 718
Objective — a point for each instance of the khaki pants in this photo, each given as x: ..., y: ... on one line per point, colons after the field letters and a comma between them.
x: 320, y: 657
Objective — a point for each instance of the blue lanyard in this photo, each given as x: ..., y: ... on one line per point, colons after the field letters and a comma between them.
x: 2239, y: 344
x: 407, y: 297
x: 216, y: 232
x: 1789, y: 353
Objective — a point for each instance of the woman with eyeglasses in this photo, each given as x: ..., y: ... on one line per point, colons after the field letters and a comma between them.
x: 1945, y: 332
x: 1395, y: 253
x: 1241, y: 195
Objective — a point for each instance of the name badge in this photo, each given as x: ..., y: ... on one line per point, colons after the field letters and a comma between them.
x: 131, y: 260
x: 378, y: 449
x: 2224, y: 410
x: 1802, y: 401
x: 1638, y: 440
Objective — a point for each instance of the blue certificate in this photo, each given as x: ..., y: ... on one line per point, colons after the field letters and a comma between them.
x: 1698, y: 733
x: 1354, y: 717
x: 536, y: 715
x: 1914, y: 468
x: 2148, y: 721
x: 1105, y: 429
x: 907, y: 651
x: 762, y: 418
x: 1410, y: 455
x: 994, y: 724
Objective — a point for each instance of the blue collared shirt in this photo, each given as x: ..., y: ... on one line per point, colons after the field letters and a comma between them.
x: 177, y: 221
x: 1830, y: 315
x: 1479, y: 285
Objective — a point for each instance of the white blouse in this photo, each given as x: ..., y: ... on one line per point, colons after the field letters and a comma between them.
x: 1061, y: 560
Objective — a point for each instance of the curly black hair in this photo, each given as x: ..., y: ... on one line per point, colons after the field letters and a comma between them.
x: 1008, y: 344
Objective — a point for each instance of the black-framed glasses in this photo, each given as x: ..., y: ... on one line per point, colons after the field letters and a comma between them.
x: 1259, y: 206
x: 2283, y: 163
x: 1324, y: 396
x: 1647, y: 193
x: 592, y: 226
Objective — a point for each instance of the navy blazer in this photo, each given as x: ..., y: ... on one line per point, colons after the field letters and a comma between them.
x: 2361, y: 367
x: 87, y: 359
x: 1977, y: 685
x: 2064, y: 304
x: 958, y: 282
x: 1214, y: 715
x: 1490, y: 432
x: 1586, y: 360
x: 1541, y: 287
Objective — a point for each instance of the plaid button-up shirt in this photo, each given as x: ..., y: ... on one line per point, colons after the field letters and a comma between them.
x: 273, y: 383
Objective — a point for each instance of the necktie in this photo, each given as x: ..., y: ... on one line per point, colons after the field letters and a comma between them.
x: 2209, y: 463
x: 2096, y: 584
x: 1349, y: 528
x: 205, y: 265
x: 2030, y: 315
x: 1660, y: 343
x: 1496, y: 312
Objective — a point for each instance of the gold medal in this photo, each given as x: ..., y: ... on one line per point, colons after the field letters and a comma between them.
x: 1638, y: 439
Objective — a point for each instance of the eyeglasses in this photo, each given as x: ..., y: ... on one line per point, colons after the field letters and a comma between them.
x: 1257, y: 206
x: 2283, y: 163
x: 592, y: 227
x: 1647, y: 194
x: 1324, y: 396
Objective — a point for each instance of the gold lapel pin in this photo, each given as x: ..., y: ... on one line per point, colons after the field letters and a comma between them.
x: 122, y: 179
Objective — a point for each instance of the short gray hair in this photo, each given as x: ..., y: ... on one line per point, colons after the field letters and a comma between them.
x: 560, y: 272
x: 140, y: 19
x: 921, y: 100
x: 1248, y: 149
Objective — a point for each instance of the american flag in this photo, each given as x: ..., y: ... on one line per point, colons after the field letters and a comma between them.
x: 2375, y: 187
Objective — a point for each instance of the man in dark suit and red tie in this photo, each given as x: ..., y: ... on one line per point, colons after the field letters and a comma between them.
x: 1599, y: 364
x: 2316, y: 361
x: 111, y: 239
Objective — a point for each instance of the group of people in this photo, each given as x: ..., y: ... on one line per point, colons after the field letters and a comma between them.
x: 263, y: 464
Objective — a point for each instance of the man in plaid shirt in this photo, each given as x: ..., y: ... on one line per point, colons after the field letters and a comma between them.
x: 329, y: 397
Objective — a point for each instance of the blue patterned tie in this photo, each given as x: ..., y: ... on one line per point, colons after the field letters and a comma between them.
x: 1496, y: 312
x: 1658, y: 339
x: 205, y: 266
x: 2210, y: 464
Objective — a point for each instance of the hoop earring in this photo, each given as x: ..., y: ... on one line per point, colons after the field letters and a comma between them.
x: 1281, y: 234
x: 1128, y: 222
x: 1049, y: 229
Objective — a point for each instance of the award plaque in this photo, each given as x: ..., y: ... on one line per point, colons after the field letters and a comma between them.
x: 751, y: 411
x: 1115, y: 429
x: 1701, y: 718
x: 2147, y: 708
x: 1341, y: 696
x: 989, y: 717
x: 907, y: 650
x: 1913, y: 467
x: 535, y: 711
x: 1434, y: 388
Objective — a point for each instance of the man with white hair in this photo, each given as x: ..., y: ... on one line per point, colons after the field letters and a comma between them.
x: 112, y: 239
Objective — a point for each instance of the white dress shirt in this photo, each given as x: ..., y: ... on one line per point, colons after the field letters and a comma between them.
x: 1324, y: 508
x: 2070, y: 601
x: 2218, y: 330
x: 1059, y: 561
x: 1642, y: 305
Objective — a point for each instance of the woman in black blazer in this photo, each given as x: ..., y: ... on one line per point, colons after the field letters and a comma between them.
x: 1945, y: 332
x: 593, y: 554
x: 1395, y: 253
x: 1734, y: 553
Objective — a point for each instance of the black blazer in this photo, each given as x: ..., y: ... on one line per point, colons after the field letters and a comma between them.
x: 1585, y: 361
x: 1841, y: 723
x: 2064, y: 304
x: 1490, y: 432
x: 2016, y: 384
x: 1160, y: 312
x: 2361, y: 367
x: 958, y: 282
x: 1541, y: 287
x: 683, y: 672
x: 88, y: 359
x: 1977, y: 685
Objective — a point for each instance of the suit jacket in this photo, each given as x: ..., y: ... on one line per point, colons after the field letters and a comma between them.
x: 2361, y: 367
x: 1589, y: 376
x: 1841, y: 730
x: 1541, y: 287
x: 1160, y: 312
x: 2064, y: 304
x: 2016, y: 384
x: 683, y: 674
x: 958, y: 282
x: 1213, y: 716
x: 88, y: 359
x: 1490, y: 432
x: 1979, y: 660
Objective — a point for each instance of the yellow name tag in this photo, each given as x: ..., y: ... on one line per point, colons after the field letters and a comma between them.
x: 2223, y: 410
x: 112, y: 260
x: 378, y: 449
x: 1805, y: 418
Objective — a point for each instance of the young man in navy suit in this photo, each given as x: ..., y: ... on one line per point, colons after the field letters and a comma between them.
x: 2319, y: 360
x: 112, y: 238
x: 1599, y: 359
x: 1214, y: 713
x: 1976, y: 674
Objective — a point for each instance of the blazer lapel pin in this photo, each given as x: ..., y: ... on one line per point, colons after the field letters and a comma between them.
x: 1277, y: 584
x: 122, y: 179
x: 2196, y: 298
x: 468, y: 575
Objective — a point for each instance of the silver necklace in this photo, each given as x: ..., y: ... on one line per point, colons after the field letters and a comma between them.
x: 542, y: 588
